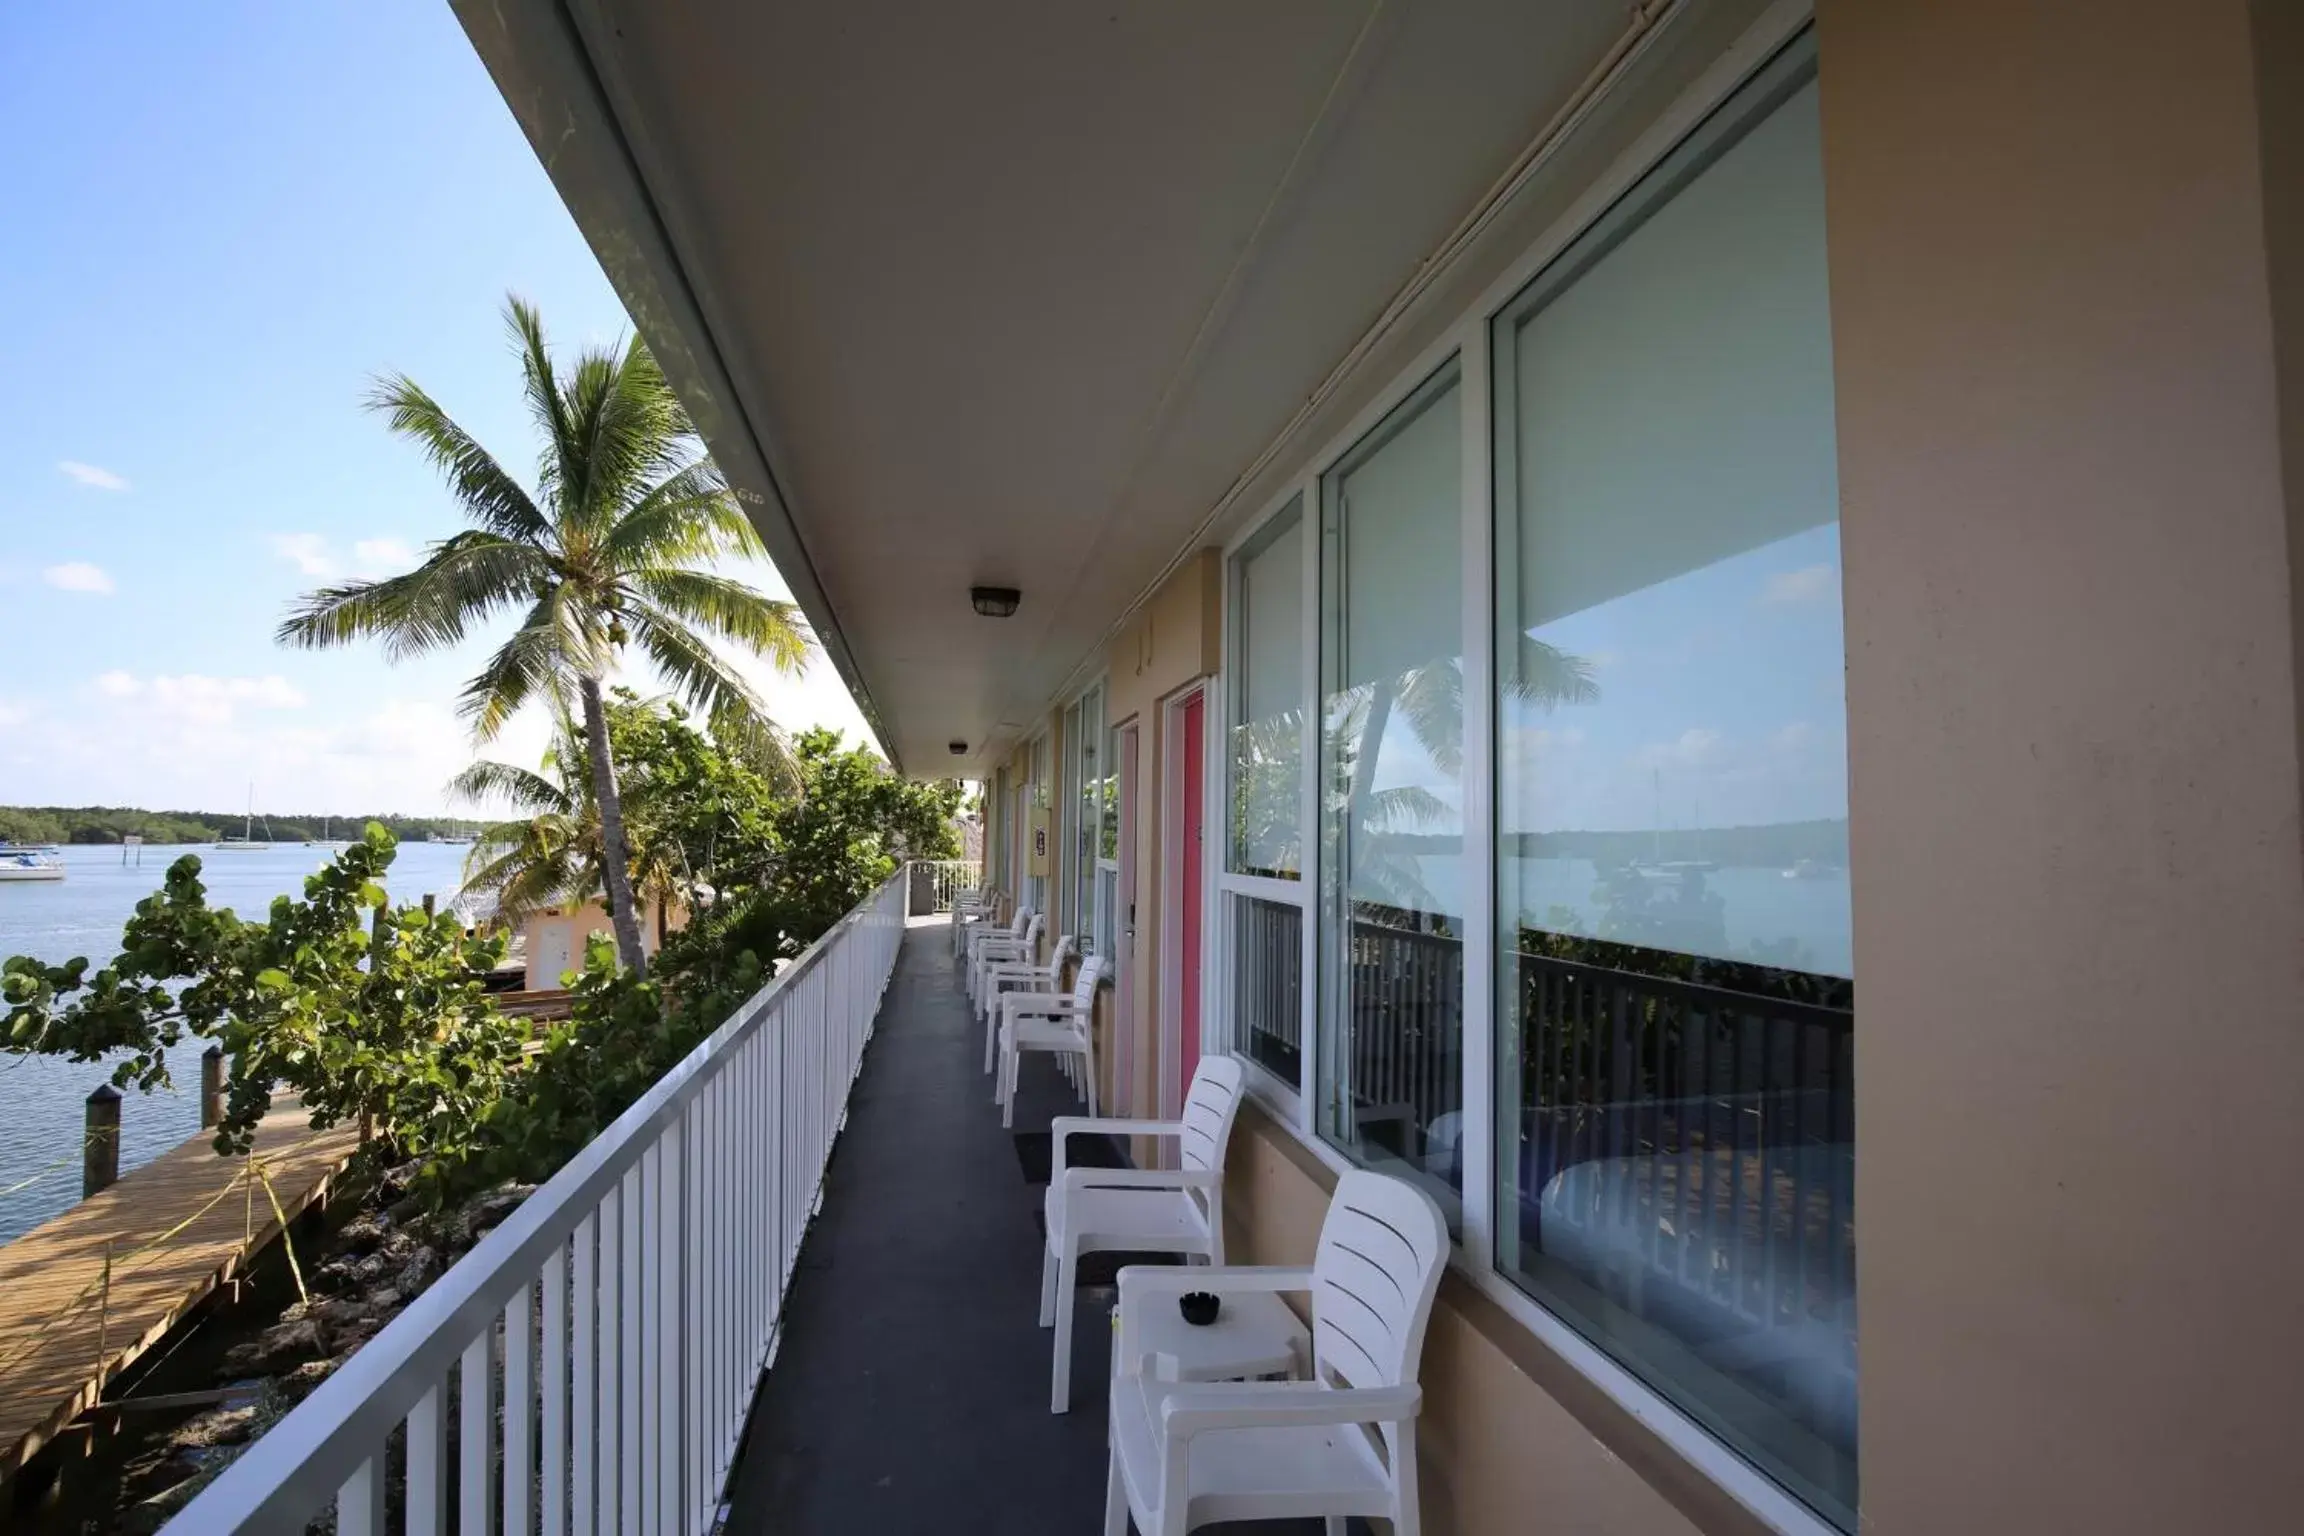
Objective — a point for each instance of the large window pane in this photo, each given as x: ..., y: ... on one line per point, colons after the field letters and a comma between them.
x: 1392, y: 736
x: 1675, y: 1005
x: 1266, y: 778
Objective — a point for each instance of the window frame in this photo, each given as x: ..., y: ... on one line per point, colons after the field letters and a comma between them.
x: 1782, y: 36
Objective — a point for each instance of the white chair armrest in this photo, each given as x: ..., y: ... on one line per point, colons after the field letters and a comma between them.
x: 1189, y: 1411
x: 1039, y: 1005
x: 1072, y: 1125
x: 1137, y: 1178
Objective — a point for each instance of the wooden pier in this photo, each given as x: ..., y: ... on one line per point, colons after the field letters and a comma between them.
x: 83, y: 1295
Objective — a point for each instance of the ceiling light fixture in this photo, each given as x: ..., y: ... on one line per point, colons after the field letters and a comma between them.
x: 959, y: 748
x: 995, y: 602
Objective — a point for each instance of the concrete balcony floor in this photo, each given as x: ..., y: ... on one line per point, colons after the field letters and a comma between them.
x: 911, y: 1391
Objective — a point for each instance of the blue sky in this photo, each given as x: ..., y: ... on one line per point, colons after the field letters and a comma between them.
x: 223, y: 219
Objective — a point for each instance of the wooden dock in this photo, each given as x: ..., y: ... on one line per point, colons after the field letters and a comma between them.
x: 174, y: 1230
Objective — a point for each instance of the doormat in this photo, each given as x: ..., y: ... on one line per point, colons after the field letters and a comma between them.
x: 1093, y: 1270
x: 1035, y: 1154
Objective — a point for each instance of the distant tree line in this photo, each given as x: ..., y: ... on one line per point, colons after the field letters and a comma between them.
x: 110, y: 823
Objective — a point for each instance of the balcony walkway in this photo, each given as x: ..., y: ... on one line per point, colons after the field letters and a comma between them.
x: 911, y: 1394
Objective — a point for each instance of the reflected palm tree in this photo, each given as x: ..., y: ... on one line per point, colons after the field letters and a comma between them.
x: 1430, y: 699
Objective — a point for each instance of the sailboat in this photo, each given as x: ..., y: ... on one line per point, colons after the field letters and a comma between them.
x: 246, y: 841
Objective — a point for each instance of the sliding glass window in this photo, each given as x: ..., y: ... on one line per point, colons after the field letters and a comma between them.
x: 1265, y: 826
x: 1391, y: 1056
x: 1086, y: 788
x: 1262, y: 901
x: 1675, y: 1136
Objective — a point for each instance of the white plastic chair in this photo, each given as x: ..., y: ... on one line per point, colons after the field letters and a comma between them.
x: 1136, y: 1210
x: 1020, y: 976
x: 986, y: 927
x: 1020, y: 942
x: 970, y: 908
x: 1063, y: 1022
x: 1342, y: 1444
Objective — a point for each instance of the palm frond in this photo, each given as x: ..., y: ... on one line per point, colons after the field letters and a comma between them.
x: 540, y: 388
x: 491, y: 497
x: 734, y: 612
x: 687, y: 517
x: 738, y: 719
x: 628, y: 432
x: 532, y: 660
x: 1545, y: 674
x: 464, y: 580
x: 509, y: 784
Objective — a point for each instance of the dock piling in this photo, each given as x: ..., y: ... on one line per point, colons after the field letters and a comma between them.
x: 100, y: 1148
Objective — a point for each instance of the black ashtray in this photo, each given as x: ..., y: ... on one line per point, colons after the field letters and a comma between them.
x: 1199, y: 1307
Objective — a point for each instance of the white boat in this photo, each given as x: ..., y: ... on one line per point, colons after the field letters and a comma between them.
x: 18, y: 862
x: 246, y: 841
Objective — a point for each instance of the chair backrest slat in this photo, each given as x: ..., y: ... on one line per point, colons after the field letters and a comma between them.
x: 1381, y: 1251
x: 1210, y: 1104
x: 1084, y: 985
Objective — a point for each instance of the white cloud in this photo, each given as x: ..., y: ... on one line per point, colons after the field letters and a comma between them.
x: 92, y: 476
x: 78, y: 576
x: 308, y: 552
x: 382, y: 557
x: 194, y: 697
x: 12, y: 714
x: 1811, y: 583
x: 314, y: 555
x: 1793, y: 738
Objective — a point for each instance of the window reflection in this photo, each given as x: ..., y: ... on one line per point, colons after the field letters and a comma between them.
x: 1675, y: 1002
x: 1392, y: 733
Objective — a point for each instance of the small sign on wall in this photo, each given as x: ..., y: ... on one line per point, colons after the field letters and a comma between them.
x: 1037, y: 861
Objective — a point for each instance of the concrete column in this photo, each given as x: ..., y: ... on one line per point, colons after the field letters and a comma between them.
x: 2073, y: 728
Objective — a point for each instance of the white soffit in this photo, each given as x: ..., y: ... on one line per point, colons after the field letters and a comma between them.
x: 1008, y: 292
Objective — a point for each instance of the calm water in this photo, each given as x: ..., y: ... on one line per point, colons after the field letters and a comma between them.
x: 41, y: 1097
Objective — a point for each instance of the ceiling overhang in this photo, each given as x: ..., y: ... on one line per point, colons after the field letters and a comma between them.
x: 1013, y: 292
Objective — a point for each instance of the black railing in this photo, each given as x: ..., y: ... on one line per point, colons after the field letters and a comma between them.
x: 1703, y: 1137
x: 1268, y: 983
x: 1407, y: 1040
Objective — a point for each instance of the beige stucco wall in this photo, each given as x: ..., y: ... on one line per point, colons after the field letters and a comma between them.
x: 2073, y: 728
x: 1174, y: 639
x: 565, y: 930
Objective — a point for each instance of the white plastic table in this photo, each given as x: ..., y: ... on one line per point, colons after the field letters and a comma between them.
x: 1255, y: 1335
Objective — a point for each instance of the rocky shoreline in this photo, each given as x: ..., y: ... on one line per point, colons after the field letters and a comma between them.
x: 368, y: 1270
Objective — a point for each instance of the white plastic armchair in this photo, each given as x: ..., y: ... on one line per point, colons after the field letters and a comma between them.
x: 987, y: 927
x: 1063, y: 1022
x: 1021, y: 941
x: 970, y: 908
x: 1340, y: 1445
x: 1136, y: 1210
x: 1004, y: 976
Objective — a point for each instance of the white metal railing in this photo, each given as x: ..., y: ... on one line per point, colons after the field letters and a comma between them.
x: 950, y: 877
x: 623, y: 1314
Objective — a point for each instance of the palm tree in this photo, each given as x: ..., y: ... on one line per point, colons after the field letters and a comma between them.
x: 605, y: 552
x: 551, y: 850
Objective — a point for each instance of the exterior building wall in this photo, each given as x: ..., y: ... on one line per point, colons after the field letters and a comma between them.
x: 1175, y: 638
x: 2072, y: 711
x: 556, y: 937
x: 2067, y: 272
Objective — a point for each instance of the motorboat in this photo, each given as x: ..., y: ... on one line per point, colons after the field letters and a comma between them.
x: 25, y: 862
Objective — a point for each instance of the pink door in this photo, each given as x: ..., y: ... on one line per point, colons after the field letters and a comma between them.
x: 1188, y: 907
